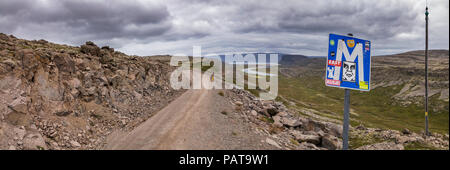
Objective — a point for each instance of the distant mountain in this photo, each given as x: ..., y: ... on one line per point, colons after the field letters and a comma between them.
x: 285, y: 59
x: 295, y: 60
x: 222, y: 56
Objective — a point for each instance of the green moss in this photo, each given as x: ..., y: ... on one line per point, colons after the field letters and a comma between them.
x: 266, y: 119
x: 255, y: 92
x: 358, y: 140
x: 295, y: 142
x: 224, y: 112
x: 40, y: 148
x: 221, y: 93
x: 419, y: 146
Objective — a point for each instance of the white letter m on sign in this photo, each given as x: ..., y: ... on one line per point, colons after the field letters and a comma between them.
x: 357, y: 52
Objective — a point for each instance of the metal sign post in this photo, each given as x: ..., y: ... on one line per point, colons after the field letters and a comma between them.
x: 426, y: 71
x: 346, y: 115
x: 348, y: 67
x: 346, y: 119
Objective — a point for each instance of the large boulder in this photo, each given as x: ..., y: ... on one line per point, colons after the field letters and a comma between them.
x: 271, y: 110
x: 7, y: 65
x: 312, y: 125
x: 382, y: 146
x: 4, y: 37
x: 107, y: 48
x: 254, y: 113
x: 268, y: 110
x: 19, y: 105
x: 238, y: 103
x: 75, y: 144
x: 406, y: 131
x: 273, y: 143
x: 307, y: 146
x: 74, y: 83
x: 34, y: 141
x: 28, y: 58
x: 90, y: 48
x: 290, y: 122
x: 401, y: 139
x: 331, y: 142
x: 64, y: 63
x: 314, y: 139
x: 277, y: 121
x: 334, y: 129
x: 106, y: 57
x: 19, y: 132
x: 46, y: 87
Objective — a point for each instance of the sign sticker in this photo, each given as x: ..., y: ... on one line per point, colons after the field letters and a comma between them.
x: 351, y: 43
x: 349, y: 71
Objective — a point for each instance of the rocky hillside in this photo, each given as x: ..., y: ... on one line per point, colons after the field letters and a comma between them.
x: 408, y: 71
x: 286, y: 129
x: 405, y: 69
x: 62, y: 97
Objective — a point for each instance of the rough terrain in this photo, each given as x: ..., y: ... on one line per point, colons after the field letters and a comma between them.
x: 63, y: 97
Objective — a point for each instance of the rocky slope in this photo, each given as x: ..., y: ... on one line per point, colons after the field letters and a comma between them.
x: 286, y: 129
x: 62, y: 97
x: 407, y: 70
x: 404, y: 69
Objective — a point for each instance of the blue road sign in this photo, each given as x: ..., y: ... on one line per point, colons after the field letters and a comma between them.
x: 348, y: 63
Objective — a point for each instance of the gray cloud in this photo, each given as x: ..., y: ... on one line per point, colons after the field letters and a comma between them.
x: 97, y: 20
x: 174, y: 26
x: 365, y: 18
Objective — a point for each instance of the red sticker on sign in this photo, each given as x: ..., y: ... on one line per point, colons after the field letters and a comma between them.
x: 333, y: 82
x: 334, y: 63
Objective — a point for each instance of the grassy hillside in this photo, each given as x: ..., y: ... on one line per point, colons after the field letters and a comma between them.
x: 373, y: 109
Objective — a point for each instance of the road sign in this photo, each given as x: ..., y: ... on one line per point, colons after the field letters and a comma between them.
x: 348, y: 63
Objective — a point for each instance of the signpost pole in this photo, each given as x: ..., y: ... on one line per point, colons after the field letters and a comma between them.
x: 426, y: 71
x: 346, y: 119
x: 346, y: 115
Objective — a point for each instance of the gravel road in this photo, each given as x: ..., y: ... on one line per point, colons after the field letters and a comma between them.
x: 197, y: 120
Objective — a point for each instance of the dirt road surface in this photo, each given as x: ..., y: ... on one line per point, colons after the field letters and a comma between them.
x: 198, y: 119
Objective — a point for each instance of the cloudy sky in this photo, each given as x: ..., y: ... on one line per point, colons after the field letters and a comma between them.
x: 174, y: 26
